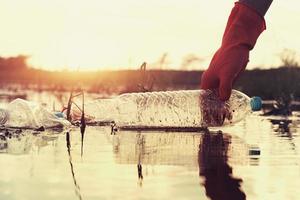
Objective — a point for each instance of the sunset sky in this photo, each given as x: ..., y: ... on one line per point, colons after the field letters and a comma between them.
x: 119, y: 34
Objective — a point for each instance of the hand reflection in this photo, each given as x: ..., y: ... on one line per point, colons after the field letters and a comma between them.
x: 213, y: 167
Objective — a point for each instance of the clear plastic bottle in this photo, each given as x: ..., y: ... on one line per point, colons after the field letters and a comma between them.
x: 24, y: 114
x: 186, y: 108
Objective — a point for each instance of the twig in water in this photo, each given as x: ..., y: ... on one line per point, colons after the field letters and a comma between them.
x: 140, y: 171
x: 114, y: 128
x: 82, y: 119
x: 77, y: 188
x: 82, y: 124
x: 146, y: 79
x: 68, y: 141
x: 80, y: 109
x: 69, y: 106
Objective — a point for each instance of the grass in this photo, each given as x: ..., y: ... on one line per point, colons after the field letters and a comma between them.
x: 82, y: 123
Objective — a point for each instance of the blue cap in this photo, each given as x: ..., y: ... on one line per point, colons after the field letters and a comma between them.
x: 59, y: 115
x: 256, y: 103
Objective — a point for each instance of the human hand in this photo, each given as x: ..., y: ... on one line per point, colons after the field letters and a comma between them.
x: 214, y: 112
x: 243, y: 28
x: 225, y: 67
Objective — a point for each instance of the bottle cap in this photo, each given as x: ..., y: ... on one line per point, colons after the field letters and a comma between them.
x: 59, y: 115
x: 256, y: 103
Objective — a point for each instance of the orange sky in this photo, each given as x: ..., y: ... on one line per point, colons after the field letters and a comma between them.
x: 95, y: 34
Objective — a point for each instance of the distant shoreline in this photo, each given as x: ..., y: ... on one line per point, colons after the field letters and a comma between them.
x: 269, y: 84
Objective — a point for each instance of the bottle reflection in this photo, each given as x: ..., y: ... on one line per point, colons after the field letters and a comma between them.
x: 207, y: 152
x: 20, y: 142
x: 219, y: 182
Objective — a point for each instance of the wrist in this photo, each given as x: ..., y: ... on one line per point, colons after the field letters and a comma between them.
x: 260, y: 6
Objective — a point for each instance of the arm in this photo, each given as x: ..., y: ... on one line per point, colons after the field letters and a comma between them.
x: 245, y: 24
x: 261, y: 6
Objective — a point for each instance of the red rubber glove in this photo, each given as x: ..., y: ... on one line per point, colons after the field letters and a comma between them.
x: 243, y: 28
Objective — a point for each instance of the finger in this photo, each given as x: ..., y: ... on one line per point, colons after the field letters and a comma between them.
x: 206, y: 115
x: 215, y: 117
x: 221, y: 119
x: 225, y: 89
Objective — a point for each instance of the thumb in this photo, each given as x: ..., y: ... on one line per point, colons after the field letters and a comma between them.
x: 225, y: 88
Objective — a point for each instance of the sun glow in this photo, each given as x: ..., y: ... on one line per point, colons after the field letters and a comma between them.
x: 116, y: 34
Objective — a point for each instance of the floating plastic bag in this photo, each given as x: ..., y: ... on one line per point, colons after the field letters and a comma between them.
x: 24, y: 114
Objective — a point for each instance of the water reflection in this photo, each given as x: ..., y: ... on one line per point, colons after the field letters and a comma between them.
x: 219, y: 182
x: 77, y: 187
x: 286, y: 128
x: 281, y: 126
x: 156, y: 148
x: 18, y: 142
x: 229, y: 165
x: 209, y: 151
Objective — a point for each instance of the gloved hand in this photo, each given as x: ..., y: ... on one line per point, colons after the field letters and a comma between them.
x: 243, y: 28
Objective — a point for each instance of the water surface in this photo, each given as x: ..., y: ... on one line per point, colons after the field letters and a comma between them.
x: 257, y: 158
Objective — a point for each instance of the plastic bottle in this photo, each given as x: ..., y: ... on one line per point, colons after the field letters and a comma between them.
x: 24, y: 114
x: 186, y: 108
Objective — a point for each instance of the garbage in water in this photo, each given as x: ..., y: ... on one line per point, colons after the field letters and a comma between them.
x: 185, y: 108
x: 25, y: 114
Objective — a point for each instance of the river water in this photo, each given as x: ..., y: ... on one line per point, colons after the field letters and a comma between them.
x: 257, y: 158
